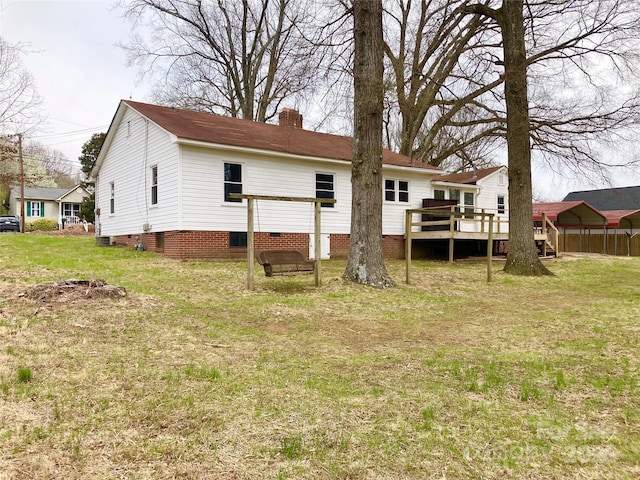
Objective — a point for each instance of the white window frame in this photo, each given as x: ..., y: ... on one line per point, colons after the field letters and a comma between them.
x: 112, y: 198
x: 395, y: 190
x: 226, y: 182
x: 154, y: 185
x: 332, y: 190
x: 502, y: 206
x: 35, y: 209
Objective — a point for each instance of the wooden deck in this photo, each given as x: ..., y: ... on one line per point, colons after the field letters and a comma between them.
x: 458, y: 235
x: 452, y: 224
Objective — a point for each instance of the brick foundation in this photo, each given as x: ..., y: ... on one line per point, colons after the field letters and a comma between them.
x: 183, y: 245
x: 392, y: 246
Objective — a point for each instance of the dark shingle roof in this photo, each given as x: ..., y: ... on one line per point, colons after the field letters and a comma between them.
x: 217, y: 129
x: 625, y: 198
x: 40, y: 193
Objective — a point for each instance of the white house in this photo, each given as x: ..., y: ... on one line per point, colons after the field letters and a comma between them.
x: 478, y: 190
x: 163, y: 177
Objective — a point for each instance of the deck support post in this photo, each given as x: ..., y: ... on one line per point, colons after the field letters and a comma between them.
x: 452, y: 229
x: 544, y: 230
x: 317, y: 244
x: 489, y: 248
x: 407, y: 245
x: 250, y: 245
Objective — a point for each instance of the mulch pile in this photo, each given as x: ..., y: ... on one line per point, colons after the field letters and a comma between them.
x: 65, y: 290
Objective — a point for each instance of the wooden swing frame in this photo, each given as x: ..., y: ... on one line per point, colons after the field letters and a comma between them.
x: 250, y: 229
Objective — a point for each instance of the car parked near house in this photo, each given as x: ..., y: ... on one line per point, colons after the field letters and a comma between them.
x: 9, y: 223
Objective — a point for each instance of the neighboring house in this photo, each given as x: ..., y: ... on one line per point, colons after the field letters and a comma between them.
x: 56, y: 204
x: 164, y: 175
x: 624, y: 198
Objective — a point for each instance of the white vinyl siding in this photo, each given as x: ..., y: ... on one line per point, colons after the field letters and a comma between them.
x: 127, y: 165
x: 203, y: 171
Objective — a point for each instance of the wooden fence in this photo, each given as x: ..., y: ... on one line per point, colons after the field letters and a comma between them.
x: 616, y: 244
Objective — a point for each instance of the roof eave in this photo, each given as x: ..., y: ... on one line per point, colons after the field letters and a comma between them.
x: 279, y: 154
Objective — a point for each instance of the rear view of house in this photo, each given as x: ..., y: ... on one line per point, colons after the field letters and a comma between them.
x: 164, y: 176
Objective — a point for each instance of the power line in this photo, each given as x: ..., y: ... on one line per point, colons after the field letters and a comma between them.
x: 74, y: 132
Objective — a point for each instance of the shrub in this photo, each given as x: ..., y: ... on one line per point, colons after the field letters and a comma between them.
x: 42, y: 225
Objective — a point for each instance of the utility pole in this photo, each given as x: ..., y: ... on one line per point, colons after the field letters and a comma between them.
x: 21, y: 160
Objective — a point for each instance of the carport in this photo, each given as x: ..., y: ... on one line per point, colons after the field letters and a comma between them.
x: 570, y: 217
x: 625, y: 220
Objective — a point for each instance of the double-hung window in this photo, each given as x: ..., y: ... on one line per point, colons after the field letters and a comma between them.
x: 454, y: 194
x: 396, y: 191
x: 325, y: 187
x: 35, y: 209
x: 232, y: 181
x: 501, y: 204
x: 468, y: 203
x: 154, y: 185
x: 70, y: 209
x: 112, y: 199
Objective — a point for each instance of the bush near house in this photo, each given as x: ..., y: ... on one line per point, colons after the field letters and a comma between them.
x: 42, y: 225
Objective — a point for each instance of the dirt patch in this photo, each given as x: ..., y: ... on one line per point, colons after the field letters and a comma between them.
x: 68, y: 290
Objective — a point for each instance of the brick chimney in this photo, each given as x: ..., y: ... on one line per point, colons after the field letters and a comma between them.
x: 290, y: 118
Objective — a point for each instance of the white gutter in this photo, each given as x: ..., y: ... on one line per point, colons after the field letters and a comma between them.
x: 440, y: 183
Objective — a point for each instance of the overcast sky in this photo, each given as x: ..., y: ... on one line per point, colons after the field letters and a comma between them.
x: 80, y: 72
x: 81, y: 75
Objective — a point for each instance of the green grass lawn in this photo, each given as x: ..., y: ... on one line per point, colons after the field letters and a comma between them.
x: 192, y: 376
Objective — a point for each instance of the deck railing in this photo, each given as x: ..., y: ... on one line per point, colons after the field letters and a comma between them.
x: 461, y: 219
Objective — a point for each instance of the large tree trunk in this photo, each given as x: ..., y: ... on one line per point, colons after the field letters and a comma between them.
x: 365, y: 263
x: 522, y: 258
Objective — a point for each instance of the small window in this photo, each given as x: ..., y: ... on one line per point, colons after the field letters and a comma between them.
x: 325, y: 188
x: 237, y: 239
x: 390, y: 190
x: 403, y: 191
x: 396, y: 190
x: 454, y: 194
x: 232, y: 181
x: 501, y: 204
x: 501, y: 178
x: 154, y: 185
x: 468, y: 203
x: 438, y: 194
x: 112, y: 199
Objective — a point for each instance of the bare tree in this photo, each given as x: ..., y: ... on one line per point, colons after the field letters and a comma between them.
x: 447, y: 67
x: 438, y: 77
x: 365, y: 263
x: 19, y: 100
x: 522, y: 257
x: 56, y: 170
x: 241, y: 58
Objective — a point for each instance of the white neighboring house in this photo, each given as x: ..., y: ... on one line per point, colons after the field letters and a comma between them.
x: 56, y: 204
x: 163, y: 177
